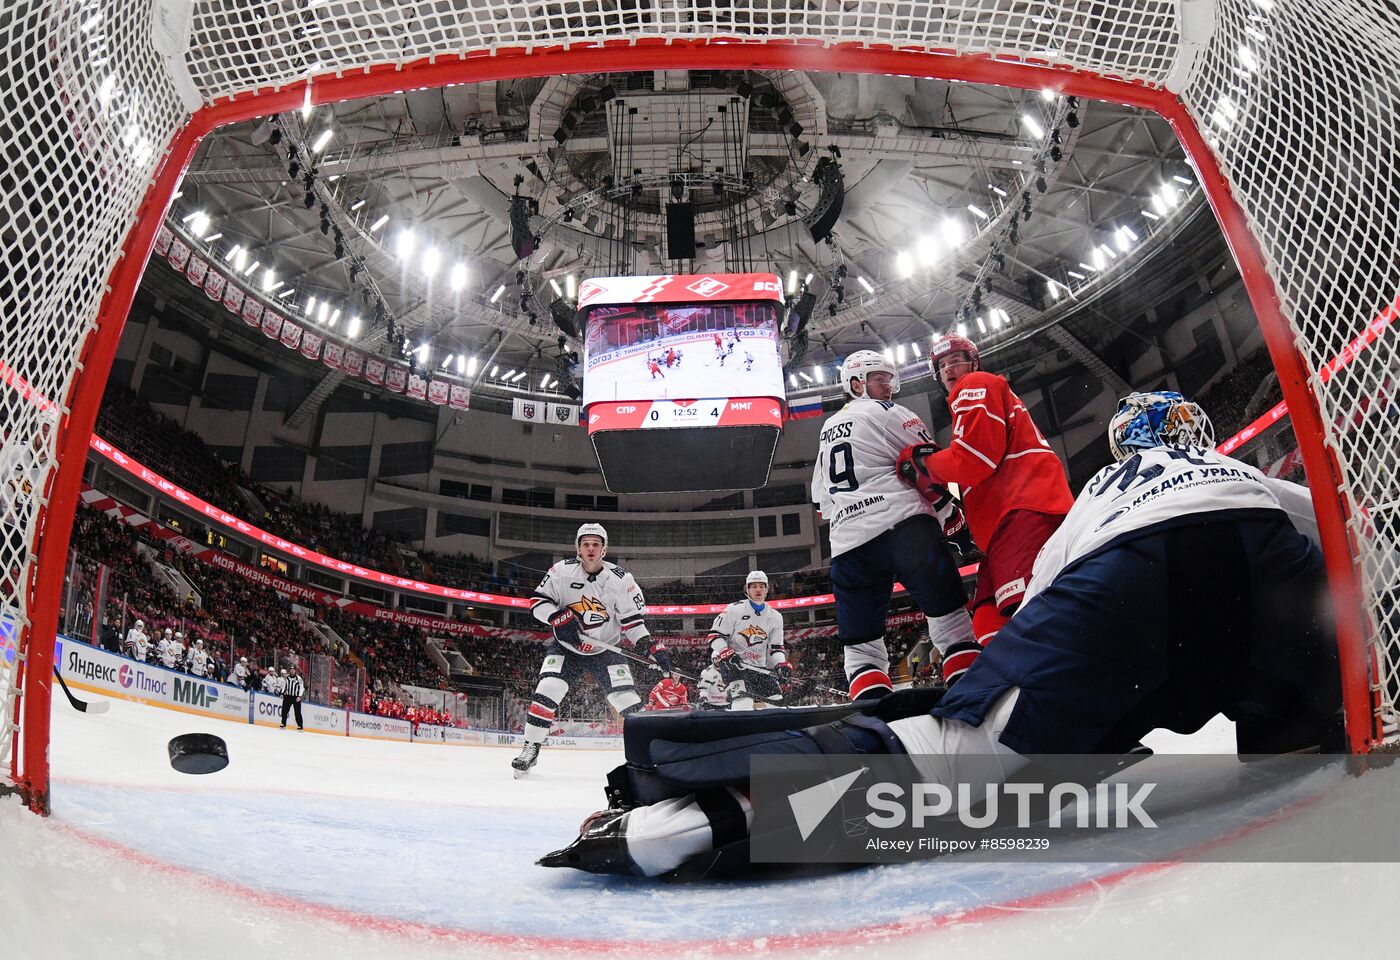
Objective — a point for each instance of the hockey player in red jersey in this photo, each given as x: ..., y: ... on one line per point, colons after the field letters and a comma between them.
x: 1015, y: 493
x: 655, y: 368
x: 668, y: 694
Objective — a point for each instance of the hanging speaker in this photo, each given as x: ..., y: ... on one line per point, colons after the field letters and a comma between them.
x: 827, y: 210
x: 522, y: 241
x: 680, y: 231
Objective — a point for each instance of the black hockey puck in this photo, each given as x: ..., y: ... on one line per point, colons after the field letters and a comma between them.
x: 198, y: 753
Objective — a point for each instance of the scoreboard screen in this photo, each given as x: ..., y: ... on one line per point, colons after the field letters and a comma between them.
x: 683, y: 354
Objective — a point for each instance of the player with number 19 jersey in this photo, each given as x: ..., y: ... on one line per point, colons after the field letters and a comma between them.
x: 853, y: 483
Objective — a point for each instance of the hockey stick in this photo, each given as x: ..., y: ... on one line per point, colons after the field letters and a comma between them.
x: 82, y: 706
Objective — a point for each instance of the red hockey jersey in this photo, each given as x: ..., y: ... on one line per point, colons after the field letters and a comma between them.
x: 667, y: 695
x: 998, y: 457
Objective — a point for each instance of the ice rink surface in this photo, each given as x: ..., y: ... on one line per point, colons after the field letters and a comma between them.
x: 311, y: 846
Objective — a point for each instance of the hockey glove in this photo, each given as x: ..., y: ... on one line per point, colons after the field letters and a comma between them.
x: 959, y: 657
x: 912, y: 470
x: 566, y: 627
x: 729, y: 664
x: 661, y: 656
x: 784, y: 674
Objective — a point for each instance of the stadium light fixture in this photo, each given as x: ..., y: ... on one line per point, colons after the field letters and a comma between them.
x: 571, y: 286
x: 792, y: 282
x: 981, y: 326
x: 1032, y: 127
x: 807, y: 280
x: 269, y: 280
x: 962, y: 329
x: 335, y: 317
x: 379, y: 223
x: 357, y: 204
x: 310, y: 306
x: 978, y: 212
x: 889, y: 355
x: 915, y: 347
x: 233, y: 252
x: 323, y: 312
x: 903, y: 264
x: 519, y: 376
x: 509, y: 373
x: 251, y: 267
x: 461, y: 363
x: 820, y: 374
x: 544, y: 382
x: 866, y: 284
x: 1047, y: 94
x: 352, y: 329
x: 804, y: 376
x: 1108, y: 251
x: 899, y: 354
x: 241, y: 259
x: 493, y: 371
x: 432, y: 259
x: 1053, y: 288
x: 952, y: 231
x: 459, y: 276
x: 1097, y: 258
x: 792, y: 379
x: 997, y: 190
x: 446, y: 360
x: 1077, y: 276
x: 322, y: 140
x: 1088, y: 266
x: 558, y: 290
x: 1150, y: 215
x: 497, y: 295
x: 192, y: 216
x: 424, y: 351
x: 471, y: 367
x: 306, y: 103
x: 404, y: 246
x: 1186, y: 180
x: 211, y: 238
x: 928, y: 250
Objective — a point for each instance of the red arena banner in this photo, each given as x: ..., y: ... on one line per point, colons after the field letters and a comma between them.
x: 233, y: 298
x: 195, y: 270
x: 252, y: 311
x: 271, y: 325
x: 374, y: 370
x: 291, y: 334
x: 214, y: 285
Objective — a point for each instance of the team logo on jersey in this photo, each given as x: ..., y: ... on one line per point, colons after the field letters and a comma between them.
x: 753, y: 634
x: 591, y: 612
x: 707, y: 286
x: 977, y: 393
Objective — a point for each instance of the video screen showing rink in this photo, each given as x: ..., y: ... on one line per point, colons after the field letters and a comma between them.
x: 677, y: 351
x: 683, y: 387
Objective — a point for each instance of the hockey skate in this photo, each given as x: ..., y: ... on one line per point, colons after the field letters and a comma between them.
x: 601, y: 846
x: 529, y: 756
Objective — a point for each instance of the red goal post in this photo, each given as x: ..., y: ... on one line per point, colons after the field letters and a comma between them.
x: 1272, y: 103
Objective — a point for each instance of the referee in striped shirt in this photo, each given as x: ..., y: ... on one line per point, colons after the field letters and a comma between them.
x: 293, y: 689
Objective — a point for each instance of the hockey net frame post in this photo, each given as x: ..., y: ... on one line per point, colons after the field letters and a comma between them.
x: 43, y: 584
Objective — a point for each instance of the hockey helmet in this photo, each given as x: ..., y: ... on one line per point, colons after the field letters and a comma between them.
x: 591, y: 530
x: 953, y: 343
x: 140, y: 623
x: 1160, y: 418
x: 756, y: 576
x: 862, y: 363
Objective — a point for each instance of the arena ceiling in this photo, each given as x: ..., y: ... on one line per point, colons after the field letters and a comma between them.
x: 1007, y: 211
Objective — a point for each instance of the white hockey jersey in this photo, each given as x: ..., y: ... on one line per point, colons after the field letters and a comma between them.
x: 712, y: 688
x: 609, y: 604
x: 1159, y: 485
x: 199, y: 662
x: 757, y: 636
x: 854, y: 483
x: 163, y: 653
x: 138, y: 643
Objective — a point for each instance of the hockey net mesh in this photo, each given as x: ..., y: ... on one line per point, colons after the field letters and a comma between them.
x: 1304, y: 124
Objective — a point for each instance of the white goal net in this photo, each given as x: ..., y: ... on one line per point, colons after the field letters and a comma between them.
x: 1288, y: 109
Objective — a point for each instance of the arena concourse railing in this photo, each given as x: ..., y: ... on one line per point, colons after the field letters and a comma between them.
x: 106, y: 103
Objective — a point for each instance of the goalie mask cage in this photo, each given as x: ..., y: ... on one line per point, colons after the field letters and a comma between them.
x: 1287, y: 110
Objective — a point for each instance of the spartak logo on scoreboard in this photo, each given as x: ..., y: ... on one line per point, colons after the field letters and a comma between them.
x: 708, y: 286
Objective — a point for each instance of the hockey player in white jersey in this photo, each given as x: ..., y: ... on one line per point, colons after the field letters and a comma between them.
x: 163, y: 649
x: 595, y: 610
x: 137, y: 643
x: 881, y: 529
x: 746, y: 643
x: 1182, y: 584
x: 198, y: 661
x: 177, y: 651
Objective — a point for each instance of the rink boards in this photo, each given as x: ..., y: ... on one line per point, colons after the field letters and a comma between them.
x: 99, y: 671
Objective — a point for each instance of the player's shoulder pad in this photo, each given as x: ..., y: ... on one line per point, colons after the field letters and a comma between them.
x: 618, y: 571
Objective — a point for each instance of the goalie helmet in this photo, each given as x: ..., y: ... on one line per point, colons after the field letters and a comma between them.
x: 591, y: 530
x: 1162, y: 418
x: 862, y: 363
